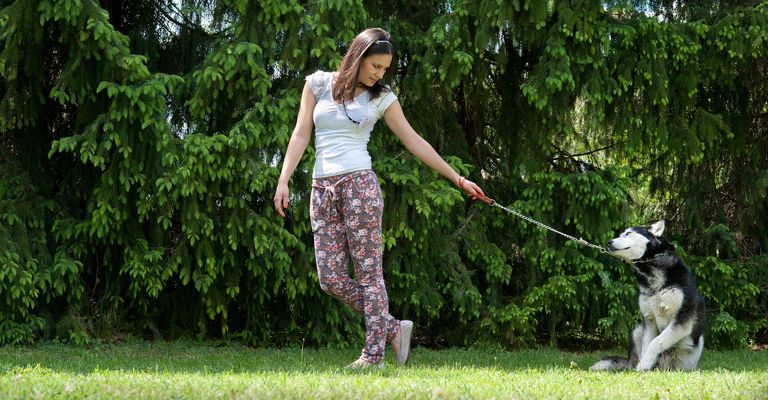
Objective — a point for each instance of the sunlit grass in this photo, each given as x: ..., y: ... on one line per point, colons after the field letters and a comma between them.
x: 190, y: 370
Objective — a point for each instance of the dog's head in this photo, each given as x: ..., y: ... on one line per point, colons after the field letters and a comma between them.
x: 640, y: 241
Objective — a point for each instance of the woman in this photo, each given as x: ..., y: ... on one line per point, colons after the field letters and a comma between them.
x: 346, y: 203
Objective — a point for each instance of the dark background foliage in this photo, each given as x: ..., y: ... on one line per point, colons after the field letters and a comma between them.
x: 140, y: 143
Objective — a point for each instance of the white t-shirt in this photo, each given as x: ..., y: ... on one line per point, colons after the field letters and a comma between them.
x: 341, y: 145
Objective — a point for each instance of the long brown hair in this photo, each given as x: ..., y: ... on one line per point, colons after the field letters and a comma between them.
x: 368, y: 42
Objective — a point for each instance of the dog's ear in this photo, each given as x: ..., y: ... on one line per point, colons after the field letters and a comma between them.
x: 657, y: 229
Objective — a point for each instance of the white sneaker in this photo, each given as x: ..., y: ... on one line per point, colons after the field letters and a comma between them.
x: 362, y: 364
x: 401, y: 343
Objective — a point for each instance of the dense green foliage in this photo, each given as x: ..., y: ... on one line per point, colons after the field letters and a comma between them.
x: 140, y: 145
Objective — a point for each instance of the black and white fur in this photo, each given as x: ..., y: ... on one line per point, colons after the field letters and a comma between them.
x: 671, y: 336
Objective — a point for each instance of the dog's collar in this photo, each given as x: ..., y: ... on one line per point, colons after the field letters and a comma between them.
x: 657, y: 257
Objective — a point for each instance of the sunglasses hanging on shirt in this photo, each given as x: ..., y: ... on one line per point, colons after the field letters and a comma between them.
x: 344, y: 104
x: 347, y: 113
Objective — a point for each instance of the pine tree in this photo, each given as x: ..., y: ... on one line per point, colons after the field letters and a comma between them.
x: 140, y: 143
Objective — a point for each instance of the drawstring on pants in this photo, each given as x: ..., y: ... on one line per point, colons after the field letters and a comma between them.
x: 329, y: 195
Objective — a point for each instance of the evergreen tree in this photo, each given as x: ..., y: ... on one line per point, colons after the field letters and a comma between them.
x: 140, y: 143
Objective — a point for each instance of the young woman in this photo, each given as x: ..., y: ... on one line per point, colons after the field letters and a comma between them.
x: 346, y: 203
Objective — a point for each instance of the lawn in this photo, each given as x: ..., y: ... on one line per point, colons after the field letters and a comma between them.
x: 192, y: 370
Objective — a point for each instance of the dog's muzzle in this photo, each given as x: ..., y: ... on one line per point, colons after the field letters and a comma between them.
x: 609, y: 245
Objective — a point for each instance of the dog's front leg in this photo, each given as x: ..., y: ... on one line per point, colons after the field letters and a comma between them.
x: 650, y: 331
x: 669, y: 337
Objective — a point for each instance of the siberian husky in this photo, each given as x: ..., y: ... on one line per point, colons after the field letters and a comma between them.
x: 671, y: 335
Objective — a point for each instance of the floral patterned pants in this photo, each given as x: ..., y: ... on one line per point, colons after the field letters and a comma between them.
x: 345, y: 212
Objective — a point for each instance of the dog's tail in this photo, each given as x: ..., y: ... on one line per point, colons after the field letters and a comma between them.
x: 612, y: 364
x: 630, y: 362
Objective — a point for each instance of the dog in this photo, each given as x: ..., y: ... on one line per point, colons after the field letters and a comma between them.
x: 671, y: 335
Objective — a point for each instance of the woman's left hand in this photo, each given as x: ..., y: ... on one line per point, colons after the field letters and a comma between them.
x: 472, y: 190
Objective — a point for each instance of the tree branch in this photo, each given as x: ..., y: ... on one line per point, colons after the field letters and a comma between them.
x: 186, y: 24
x: 581, y: 154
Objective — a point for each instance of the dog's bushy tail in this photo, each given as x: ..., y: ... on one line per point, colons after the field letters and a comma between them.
x: 630, y: 362
x: 612, y: 364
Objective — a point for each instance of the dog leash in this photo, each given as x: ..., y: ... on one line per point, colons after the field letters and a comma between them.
x: 580, y: 241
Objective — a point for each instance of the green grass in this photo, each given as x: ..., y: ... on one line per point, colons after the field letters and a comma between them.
x: 188, y: 370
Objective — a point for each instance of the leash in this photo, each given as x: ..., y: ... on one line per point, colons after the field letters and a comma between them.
x: 580, y: 241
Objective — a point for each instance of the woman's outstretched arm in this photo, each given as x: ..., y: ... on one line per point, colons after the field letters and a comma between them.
x: 397, y: 122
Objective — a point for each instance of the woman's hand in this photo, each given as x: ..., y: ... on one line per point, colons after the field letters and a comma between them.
x: 472, y: 190
x: 281, y: 198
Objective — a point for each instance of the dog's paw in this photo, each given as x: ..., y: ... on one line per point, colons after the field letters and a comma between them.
x: 643, y: 367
